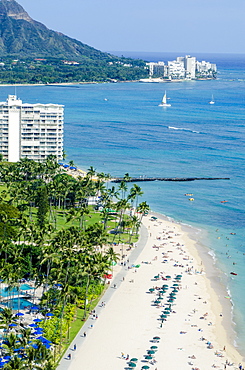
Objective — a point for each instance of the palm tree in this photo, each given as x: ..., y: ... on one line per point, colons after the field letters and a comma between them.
x: 79, y: 214
x: 123, y: 188
x: 135, y: 192
x: 91, y: 172
x: 6, y: 318
x: 143, y: 208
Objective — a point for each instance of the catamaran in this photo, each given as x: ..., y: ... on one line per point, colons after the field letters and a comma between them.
x: 164, y: 101
x: 212, y: 100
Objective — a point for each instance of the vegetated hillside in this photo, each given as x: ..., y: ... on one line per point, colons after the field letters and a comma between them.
x: 24, y: 40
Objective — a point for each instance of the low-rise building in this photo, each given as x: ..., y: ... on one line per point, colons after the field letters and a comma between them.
x: 32, y: 131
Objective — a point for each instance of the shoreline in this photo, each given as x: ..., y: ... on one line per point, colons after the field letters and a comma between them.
x: 130, y: 318
x: 146, y: 80
x: 215, y: 281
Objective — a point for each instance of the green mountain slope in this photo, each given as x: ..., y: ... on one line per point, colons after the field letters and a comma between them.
x: 32, y: 53
x: 21, y: 35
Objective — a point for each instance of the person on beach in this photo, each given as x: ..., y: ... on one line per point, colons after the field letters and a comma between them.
x: 69, y: 356
x: 75, y: 347
x: 84, y: 334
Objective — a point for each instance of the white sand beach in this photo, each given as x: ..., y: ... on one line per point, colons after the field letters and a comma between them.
x: 193, y: 335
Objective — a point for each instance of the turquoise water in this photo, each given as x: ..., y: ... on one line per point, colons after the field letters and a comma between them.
x: 5, y: 292
x: 17, y: 304
x: 128, y: 132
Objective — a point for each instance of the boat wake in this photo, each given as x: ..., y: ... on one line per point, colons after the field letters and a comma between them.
x: 183, y: 129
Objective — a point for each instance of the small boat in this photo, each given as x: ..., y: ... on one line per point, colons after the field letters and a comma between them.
x: 212, y: 100
x: 233, y: 273
x: 191, y: 199
x: 188, y: 194
x: 224, y: 201
x: 164, y: 101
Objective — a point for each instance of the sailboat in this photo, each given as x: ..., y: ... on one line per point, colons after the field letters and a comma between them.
x: 212, y: 100
x: 164, y: 101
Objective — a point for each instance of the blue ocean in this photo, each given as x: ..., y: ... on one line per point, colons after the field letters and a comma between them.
x: 119, y: 128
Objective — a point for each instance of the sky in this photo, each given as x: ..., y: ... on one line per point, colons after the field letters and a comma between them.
x: 201, y: 26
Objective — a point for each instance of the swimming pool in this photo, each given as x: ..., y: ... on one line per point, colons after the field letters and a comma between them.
x: 17, y: 304
x: 5, y: 292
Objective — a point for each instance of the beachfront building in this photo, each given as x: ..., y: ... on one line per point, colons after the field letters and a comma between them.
x: 32, y: 131
x: 176, y: 70
x: 205, y: 69
x: 156, y: 69
x: 182, y: 68
x: 190, y: 67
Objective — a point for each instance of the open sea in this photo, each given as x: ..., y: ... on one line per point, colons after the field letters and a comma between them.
x: 119, y: 128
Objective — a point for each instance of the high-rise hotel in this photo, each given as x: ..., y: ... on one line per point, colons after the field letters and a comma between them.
x: 32, y: 131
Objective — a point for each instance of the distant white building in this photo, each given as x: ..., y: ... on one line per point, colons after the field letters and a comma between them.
x: 176, y: 69
x: 190, y: 67
x: 32, y: 131
x: 182, y: 68
x: 156, y: 69
x: 205, y: 68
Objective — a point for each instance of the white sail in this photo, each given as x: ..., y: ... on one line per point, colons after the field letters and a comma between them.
x: 212, y: 100
x: 164, y: 101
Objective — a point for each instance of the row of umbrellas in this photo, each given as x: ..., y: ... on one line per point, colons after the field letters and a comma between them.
x: 172, y: 296
x: 133, y: 362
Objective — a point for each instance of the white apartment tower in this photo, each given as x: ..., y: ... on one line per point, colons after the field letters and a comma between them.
x: 190, y: 66
x: 32, y: 131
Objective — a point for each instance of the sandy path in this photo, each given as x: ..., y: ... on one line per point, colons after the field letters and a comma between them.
x: 130, y: 319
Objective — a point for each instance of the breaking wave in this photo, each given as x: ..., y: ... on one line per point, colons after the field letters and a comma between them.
x: 183, y: 129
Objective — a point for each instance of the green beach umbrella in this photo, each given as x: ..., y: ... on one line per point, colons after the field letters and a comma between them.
x: 154, y: 347
x: 175, y: 291
x: 137, y: 266
x: 170, y: 300
x: 132, y: 364
x: 157, y: 302
x: 145, y: 367
x: 165, y: 286
x: 134, y: 359
x: 151, y: 290
x: 176, y: 284
x: 179, y: 276
x: 148, y: 357
x: 156, y: 338
x: 163, y: 316
x: 150, y: 352
x: 166, y: 312
x: 168, y: 277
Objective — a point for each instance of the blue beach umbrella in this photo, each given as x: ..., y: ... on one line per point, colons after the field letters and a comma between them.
x: 49, y: 314
x: 33, y: 325
x: 37, y: 320
x: 19, y: 314
x: 12, y: 325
